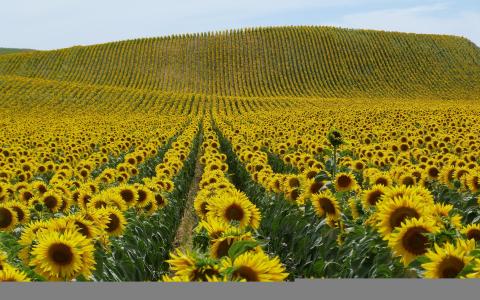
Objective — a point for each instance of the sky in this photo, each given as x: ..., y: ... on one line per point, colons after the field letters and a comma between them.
x: 53, y: 24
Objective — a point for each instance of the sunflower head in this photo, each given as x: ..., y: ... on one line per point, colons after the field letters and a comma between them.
x: 372, y: 196
x: 62, y: 256
x: 326, y: 204
x: 391, y: 213
x: 116, y: 220
x: 446, y: 261
x: 8, y: 218
x: 410, y: 240
x: 10, y: 274
x: 254, y: 266
x: 345, y: 182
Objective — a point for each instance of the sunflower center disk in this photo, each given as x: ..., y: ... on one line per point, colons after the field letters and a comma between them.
x: 450, y: 267
x: 61, y: 254
x: 415, y: 241
x: 246, y: 273
x: 327, y: 206
x: 6, y: 218
x: 113, y: 224
x: 401, y: 214
x: 234, y: 212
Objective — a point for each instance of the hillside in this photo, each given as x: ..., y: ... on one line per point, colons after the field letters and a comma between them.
x: 12, y: 50
x: 269, y: 62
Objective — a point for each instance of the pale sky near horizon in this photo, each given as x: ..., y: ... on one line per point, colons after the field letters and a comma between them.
x: 52, y: 24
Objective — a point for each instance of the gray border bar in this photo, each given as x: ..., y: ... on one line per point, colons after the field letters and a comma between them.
x: 344, y: 289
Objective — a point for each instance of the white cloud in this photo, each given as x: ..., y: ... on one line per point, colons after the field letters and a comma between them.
x: 437, y: 18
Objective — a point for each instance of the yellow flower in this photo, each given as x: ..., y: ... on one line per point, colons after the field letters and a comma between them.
x: 446, y: 261
x: 62, y: 256
x: 255, y: 266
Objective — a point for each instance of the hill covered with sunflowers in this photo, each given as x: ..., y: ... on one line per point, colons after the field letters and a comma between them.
x: 267, y: 62
x: 264, y: 154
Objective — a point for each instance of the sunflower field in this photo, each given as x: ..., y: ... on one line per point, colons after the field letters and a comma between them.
x: 113, y: 176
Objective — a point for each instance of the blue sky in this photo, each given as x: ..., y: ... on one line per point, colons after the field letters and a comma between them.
x: 51, y: 24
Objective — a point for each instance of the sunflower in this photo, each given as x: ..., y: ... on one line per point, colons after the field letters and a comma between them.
x: 472, y: 231
x: 145, y: 196
x: 446, y: 261
x: 10, y: 274
x: 22, y: 211
x: 84, y: 197
x: 192, y: 266
x: 85, y: 227
x: 372, y: 196
x: 214, y: 227
x: 116, y: 220
x: 391, y: 213
x: 255, y: 266
x: 29, y: 237
x: 150, y: 208
x: 52, y: 200
x: 407, y: 180
x: 325, y: 203
x: 345, y: 182
x: 473, y: 182
x: 128, y: 194
x: 25, y: 195
x: 8, y: 218
x: 98, y: 201
x: 234, y: 206
x: 62, y: 256
x: 200, y: 204
x: 382, y: 179
x: 410, y: 240
x: 219, y: 247
x: 161, y: 200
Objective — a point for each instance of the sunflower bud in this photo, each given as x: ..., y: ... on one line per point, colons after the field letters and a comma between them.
x: 335, y: 138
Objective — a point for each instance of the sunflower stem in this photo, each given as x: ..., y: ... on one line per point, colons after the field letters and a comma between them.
x: 334, y: 161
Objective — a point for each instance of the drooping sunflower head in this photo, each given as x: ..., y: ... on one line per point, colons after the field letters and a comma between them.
x: 410, y: 240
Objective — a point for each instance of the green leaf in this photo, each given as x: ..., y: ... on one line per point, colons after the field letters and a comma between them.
x: 467, y: 270
x: 416, y: 263
x: 318, y: 267
x: 240, y: 247
x: 475, y: 253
